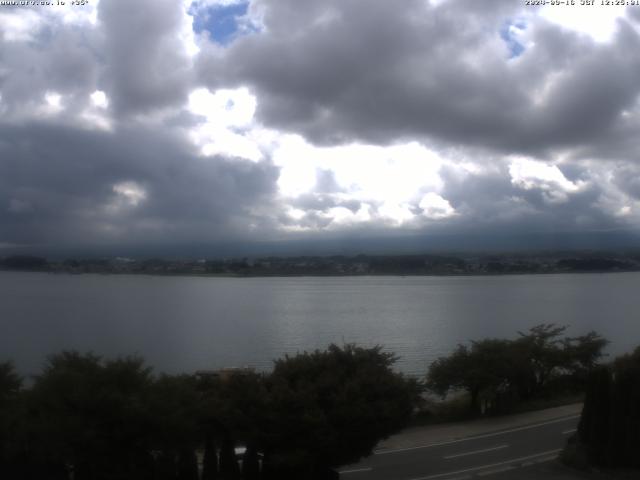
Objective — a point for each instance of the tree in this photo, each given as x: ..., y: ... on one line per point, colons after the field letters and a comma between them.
x: 544, y: 351
x: 624, y: 445
x: 497, y: 372
x: 595, y: 421
x: 609, y: 429
x: 173, y: 404
x: 233, y: 413
x: 328, y: 408
x: 482, y: 371
x: 10, y: 382
x: 10, y: 389
x: 551, y: 357
x: 583, y: 353
x: 92, y: 415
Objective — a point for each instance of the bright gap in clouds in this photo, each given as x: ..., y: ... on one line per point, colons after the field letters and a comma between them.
x: 227, y: 115
x: 510, y: 34
x: 534, y: 175
x: 128, y: 194
x: 597, y: 21
x: 392, y: 173
x: 221, y: 19
x: 99, y: 99
x: 395, y: 183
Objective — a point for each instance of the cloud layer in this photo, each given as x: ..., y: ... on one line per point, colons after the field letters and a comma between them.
x: 164, y: 122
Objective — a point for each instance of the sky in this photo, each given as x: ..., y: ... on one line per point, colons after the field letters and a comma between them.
x: 166, y: 124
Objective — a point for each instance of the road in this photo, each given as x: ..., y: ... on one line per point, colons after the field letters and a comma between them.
x: 465, y: 458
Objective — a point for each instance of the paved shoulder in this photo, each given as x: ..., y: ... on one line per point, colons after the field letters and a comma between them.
x: 418, y: 436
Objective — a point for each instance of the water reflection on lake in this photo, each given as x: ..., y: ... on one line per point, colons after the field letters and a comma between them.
x: 187, y: 323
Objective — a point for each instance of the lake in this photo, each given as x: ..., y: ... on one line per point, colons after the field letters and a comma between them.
x: 181, y: 324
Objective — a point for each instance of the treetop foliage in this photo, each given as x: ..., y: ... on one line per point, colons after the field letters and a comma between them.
x: 114, y: 419
x: 498, y: 372
x: 348, y: 396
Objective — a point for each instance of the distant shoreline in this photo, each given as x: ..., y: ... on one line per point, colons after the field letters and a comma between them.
x: 316, y: 275
x: 340, y: 266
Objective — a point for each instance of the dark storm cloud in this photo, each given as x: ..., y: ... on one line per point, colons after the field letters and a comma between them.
x: 57, y: 186
x: 55, y: 59
x: 627, y: 177
x: 146, y: 65
x: 339, y: 71
x: 490, y: 202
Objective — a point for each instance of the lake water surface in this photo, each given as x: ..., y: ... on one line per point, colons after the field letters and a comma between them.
x: 180, y: 324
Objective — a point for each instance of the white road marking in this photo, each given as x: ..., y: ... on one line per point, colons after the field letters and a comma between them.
x: 482, y: 467
x: 567, y: 432
x: 496, y: 470
x: 476, y: 451
x: 545, y: 459
x: 466, y: 439
x: 355, y: 470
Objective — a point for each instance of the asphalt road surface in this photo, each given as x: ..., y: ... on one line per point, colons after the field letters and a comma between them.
x: 471, y: 457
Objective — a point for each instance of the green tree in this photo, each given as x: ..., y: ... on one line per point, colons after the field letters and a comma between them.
x: 92, y: 415
x: 595, y: 420
x: 497, y: 372
x: 328, y: 408
x: 542, y: 346
x: 483, y: 371
x: 583, y: 353
x: 173, y: 404
x: 609, y: 428
x: 625, y: 445
x: 10, y: 382
x: 233, y: 413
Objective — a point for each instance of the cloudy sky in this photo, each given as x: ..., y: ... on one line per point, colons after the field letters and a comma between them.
x: 173, y: 122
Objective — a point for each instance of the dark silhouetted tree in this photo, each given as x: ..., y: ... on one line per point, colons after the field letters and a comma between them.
x: 609, y: 428
x: 10, y: 413
x: 330, y: 408
x: 92, y: 415
x: 496, y: 373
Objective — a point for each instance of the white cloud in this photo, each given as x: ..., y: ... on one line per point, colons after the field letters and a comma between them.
x: 24, y: 24
x: 186, y: 34
x: 52, y: 105
x: 532, y: 174
x: 20, y: 25
x: 128, y: 194
x: 435, y: 207
x: 296, y: 213
x: 225, y: 107
x: 225, y: 111
x: 597, y: 21
x: 394, y: 173
x: 94, y: 115
x: 222, y: 141
x: 99, y: 99
x: 396, y: 213
x: 342, y: 216
x: 76, y: 14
